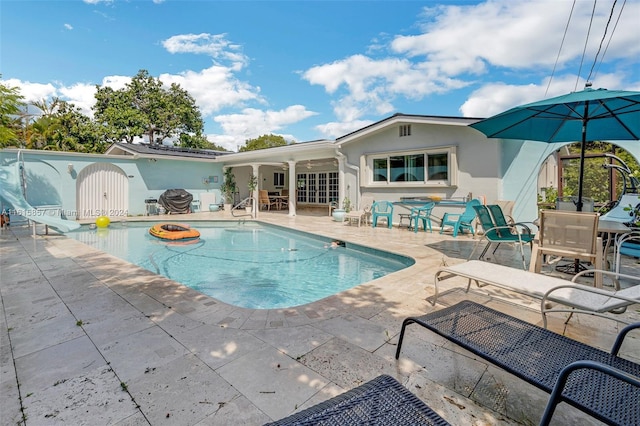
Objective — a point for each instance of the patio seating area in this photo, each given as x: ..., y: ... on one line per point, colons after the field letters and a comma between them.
x: 94, y: 339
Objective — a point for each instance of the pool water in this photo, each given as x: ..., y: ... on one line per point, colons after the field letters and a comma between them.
x: 250, y: 264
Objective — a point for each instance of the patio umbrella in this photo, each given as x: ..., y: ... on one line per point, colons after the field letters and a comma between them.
x: 588, y: 115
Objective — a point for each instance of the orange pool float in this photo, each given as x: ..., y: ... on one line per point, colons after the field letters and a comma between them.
x: 173, y: 231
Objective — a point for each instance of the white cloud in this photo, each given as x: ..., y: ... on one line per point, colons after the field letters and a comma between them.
x: 494, y: 98
x: 214, y: 45
x: 32, y: 92
x: 81, y: 95
x: 252, y: 123
x: 484, y: 45
x: 336, y: 129
x: 68, y: 27
x: 214, y: 88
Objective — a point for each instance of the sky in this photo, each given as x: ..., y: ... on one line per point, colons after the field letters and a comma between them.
x: 310, y: 70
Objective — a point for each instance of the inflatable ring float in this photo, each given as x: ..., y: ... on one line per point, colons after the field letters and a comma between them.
x: 173, y: 231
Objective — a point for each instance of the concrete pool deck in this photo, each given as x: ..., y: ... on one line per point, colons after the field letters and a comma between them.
x: 87, y: 338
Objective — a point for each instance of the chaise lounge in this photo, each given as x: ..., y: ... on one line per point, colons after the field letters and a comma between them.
x: 381, y: 401
x: 599, y: 383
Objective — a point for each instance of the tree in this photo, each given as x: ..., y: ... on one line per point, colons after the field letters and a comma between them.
x: 596, y: 178
x: 146, y: 107
x: 63, y: 127
x: 263, y: 142
x: 198, y: 142
x: 10, y: 108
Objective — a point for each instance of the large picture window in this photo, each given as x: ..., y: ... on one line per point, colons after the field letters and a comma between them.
x: 435, y: 167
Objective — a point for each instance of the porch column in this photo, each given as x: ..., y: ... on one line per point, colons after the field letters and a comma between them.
x: 255, y: 169
x: 293, y: 186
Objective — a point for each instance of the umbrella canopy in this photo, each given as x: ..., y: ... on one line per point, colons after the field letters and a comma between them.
x: 588, y: 115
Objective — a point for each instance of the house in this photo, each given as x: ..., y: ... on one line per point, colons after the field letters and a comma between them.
x: 398, y: 158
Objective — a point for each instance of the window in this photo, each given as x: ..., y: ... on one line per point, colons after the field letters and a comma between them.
x: 278, y: 179
x: 405, y: 130
x: 435, y: 167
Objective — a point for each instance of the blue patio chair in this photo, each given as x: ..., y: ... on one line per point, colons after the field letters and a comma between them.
x: 421, y: 214
x: 383, y: 209
x: 496, y: 234
x: 461, y: 221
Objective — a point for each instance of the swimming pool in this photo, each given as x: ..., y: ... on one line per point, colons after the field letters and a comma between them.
x: 250, y: 264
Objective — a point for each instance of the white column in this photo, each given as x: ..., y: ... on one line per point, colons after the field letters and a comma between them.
x: 293, y: 186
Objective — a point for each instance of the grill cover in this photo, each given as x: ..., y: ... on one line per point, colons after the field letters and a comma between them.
x: 176, y: 201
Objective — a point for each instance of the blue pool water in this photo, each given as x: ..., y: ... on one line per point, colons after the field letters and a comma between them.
x: 252, y: 265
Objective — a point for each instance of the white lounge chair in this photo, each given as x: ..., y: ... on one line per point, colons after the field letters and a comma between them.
x: 574, y: 297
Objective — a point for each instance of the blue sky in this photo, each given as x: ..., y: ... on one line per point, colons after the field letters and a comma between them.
x: 312, y: 70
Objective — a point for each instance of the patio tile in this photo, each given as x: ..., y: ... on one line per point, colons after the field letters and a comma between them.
x: 282, y: 385
x: 356, y: 330
x: 185, y: 392
x: 294, y: 341
x: 45, y: 368
x: 26, y: 339
x: 135, y: 354
x: 453, y: 369
x: 95, y: 395
x: 346, y: 364
x: 453, y: 407
x: 217, y: 346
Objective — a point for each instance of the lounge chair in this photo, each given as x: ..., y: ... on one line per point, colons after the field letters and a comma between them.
x: 599, y: 383
x: 381, y: 401
x: 567, y: 296
x: 384, y: 210
x: 421, y: 214
x: 461, y: 221
x: 502, y: 232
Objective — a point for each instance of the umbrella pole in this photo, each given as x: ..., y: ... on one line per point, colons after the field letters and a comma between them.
x: 583, y: 148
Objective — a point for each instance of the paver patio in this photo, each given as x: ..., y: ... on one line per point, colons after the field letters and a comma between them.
x: 91, y: 339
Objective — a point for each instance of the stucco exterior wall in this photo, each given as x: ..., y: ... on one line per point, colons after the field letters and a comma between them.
x: 50, y: 183
x: 478, y: 162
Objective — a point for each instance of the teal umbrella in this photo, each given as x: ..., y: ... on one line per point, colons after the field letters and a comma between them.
x: 588, y: 115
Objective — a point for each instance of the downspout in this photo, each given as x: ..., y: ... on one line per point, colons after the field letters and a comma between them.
x: 342, y: 159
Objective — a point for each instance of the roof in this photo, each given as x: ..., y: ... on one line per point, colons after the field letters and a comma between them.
x: 406, y: 118
x: 146, y: 150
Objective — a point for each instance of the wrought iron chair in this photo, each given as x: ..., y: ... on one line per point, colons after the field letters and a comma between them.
x: 461, y: 221
x: 382, y: 209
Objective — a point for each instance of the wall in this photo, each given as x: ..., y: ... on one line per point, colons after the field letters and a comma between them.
x: 477, y: 161
x: 49, y: 182
x: 520, y: 164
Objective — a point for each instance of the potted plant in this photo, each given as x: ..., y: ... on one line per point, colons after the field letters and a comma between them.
x: 252, y: 184
x: 228, y: 188
x: 340, y: 212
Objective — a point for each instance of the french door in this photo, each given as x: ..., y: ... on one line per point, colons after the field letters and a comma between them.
x: 317, y: 187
